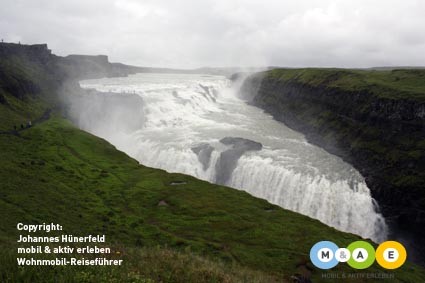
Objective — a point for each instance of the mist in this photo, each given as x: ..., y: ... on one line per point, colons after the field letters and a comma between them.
x: 105, y: 114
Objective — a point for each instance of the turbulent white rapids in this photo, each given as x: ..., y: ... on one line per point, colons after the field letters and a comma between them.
x: 186, y: 116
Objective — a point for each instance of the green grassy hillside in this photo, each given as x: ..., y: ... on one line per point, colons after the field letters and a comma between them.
x: 54, y: 172
x: 394, y: 84
x: 27, y: 88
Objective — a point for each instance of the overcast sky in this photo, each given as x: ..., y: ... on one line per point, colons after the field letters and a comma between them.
x: 195, y: 33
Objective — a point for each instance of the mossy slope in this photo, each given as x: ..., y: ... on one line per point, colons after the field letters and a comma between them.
x: 57, y: 173
x: 396, y: 84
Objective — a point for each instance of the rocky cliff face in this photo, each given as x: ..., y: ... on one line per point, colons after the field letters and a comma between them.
x: 383, y: 138
x: 24, y: 68
x: 32, y: 79
x: 91, y: 67
x: 20, y: 68
x: 36, y: 52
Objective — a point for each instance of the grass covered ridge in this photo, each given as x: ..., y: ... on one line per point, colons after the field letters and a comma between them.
x: 394, y: 84
x: 27, y: 88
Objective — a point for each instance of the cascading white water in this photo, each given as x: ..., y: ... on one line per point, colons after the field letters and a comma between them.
x: 186, y: 116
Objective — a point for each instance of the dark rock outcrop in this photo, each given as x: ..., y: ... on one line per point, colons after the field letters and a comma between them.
x: 20, y: 87
x: 229, y: 158
x: 92, y: 67
x: 203, y: 151
x: 35, y: 52
x: 21, y: 71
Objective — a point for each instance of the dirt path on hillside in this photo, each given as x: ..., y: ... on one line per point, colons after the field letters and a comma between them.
x: 44, y: 117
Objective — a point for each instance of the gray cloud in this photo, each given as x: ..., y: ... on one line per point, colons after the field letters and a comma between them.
x: 193, y: 33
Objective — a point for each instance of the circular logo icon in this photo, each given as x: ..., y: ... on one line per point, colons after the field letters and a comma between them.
x: 322, y: 255
x: 391, y: 255
x: 362, y: 255
x: 325, y: 254
x: 342, y: 255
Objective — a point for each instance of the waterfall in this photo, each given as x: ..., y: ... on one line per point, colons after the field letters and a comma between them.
x: 195, y: 124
